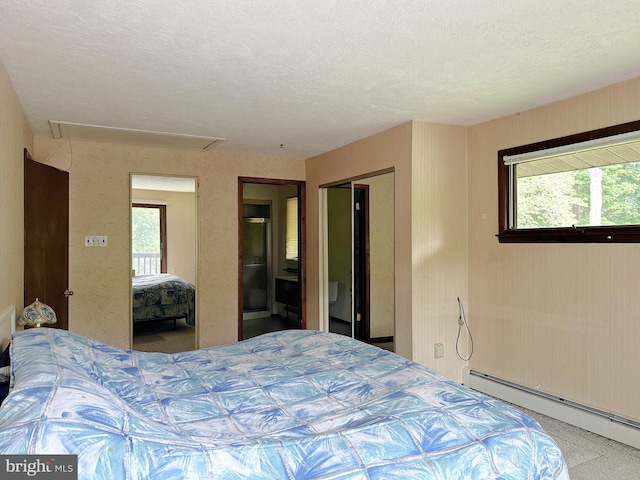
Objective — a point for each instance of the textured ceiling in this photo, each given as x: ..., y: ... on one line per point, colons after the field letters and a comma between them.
x: 309, y: 75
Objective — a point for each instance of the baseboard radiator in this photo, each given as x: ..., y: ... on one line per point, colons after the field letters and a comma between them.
x: 607, y: 424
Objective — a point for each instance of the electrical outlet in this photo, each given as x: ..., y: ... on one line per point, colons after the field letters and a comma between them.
x: 95, y: 241
x: 438, y: 350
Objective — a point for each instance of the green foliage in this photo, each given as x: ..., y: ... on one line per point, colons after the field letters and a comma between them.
x: 563, y: 199
x: 621, y: 191
x: 547, y: 201
x: 145, y: 226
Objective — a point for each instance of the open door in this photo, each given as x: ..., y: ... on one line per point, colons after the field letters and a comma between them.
x: 46, y: 237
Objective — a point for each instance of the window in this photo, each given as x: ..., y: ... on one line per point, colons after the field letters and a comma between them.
x: 291, y: 241
x: 580, y: 188
x: 148, y: 238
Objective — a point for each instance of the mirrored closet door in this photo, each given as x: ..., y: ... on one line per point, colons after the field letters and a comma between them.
x: 163, y: 262
x: 359, y: 259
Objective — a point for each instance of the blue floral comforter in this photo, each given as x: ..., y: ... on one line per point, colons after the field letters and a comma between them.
x: 287, y: 405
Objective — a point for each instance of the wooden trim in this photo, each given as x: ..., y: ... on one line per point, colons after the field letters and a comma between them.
x: 302, y: 252
x: 617, y: 234
x: 596, y: 234
x: 364, y: 188
x: 346, y: 183
x: 240, y: 288
x: 163, y: 239
x: 268, y: 181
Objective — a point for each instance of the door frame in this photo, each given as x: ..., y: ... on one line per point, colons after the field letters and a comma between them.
x: 301, y: 185
x: 361, y: 267
x: 196, y: 232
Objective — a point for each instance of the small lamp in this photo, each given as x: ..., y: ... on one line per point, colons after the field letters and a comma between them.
x: 36, y: 315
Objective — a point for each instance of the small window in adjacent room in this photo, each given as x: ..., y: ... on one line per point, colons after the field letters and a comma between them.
x: 149, y: 238
x: 580, y: 188
x: 291, y: 246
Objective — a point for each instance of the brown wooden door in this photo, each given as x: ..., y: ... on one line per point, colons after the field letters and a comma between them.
x: 46, y: 237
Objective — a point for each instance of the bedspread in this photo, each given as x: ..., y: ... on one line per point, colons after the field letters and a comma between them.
x: 285, y: 405
x: 163, y: 296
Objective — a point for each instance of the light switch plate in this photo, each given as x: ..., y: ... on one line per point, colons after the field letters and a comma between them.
x: 95, y: 241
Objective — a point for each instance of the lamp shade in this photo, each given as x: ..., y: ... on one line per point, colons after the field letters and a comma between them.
x: 37, y: 314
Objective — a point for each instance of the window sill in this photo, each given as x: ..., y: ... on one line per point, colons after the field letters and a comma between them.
x: 630, y: 234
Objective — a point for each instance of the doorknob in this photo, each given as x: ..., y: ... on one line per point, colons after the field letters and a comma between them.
x: 68, y: 293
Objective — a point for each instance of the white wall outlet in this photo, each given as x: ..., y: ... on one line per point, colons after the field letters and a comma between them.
x: 95, y: 241
x: 438, y: 350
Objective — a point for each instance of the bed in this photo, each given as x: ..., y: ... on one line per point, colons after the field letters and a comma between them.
x: 295, y: 404
x: 163, y: 297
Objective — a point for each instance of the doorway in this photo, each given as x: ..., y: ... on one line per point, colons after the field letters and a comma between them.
x: 257, y: 258
x: 358, y: 251
x: 271, y: 256
x: 163, y: 263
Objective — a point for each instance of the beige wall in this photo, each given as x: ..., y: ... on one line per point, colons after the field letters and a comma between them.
x: 181, y: 229
x: 99, y: 205
x: 15, y: 136
x: 439, y: 242
x: 562, y: 318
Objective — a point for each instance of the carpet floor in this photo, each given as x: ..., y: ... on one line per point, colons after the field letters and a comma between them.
x: 163, y: 337
x: 590, y: 456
